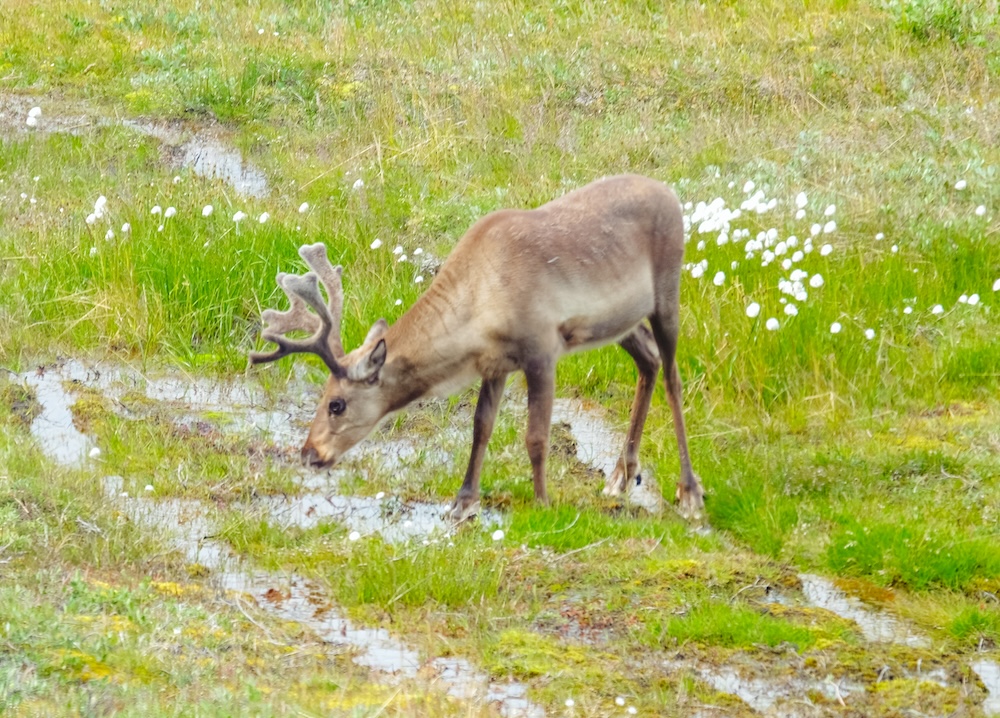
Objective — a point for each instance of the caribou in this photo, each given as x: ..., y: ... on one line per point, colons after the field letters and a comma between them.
x: 521, y: 288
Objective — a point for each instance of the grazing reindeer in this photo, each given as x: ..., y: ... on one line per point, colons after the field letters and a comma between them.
x: 519, y: 290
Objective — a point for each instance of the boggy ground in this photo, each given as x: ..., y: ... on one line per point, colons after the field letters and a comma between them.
x: 594, y: 600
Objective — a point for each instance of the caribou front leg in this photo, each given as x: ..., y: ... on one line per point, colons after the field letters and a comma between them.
x: 466, y: 504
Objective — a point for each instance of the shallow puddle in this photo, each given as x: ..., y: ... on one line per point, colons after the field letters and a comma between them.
x: 877, y: 626
x: 989, y: 673
x: 783, y: 695
x: 53, y: 428
x: 205, y: 154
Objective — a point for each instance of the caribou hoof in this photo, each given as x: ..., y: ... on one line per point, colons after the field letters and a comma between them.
x: 463, y: 509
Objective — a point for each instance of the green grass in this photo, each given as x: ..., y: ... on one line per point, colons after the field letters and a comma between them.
x: 874, y: 461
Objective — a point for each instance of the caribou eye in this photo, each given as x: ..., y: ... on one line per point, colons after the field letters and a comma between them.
x: 337, y: 407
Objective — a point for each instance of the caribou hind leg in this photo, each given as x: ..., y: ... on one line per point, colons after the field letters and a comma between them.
x: 640, y: 344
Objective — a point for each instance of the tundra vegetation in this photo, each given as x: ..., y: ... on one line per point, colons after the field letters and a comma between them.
x: 844, y: 422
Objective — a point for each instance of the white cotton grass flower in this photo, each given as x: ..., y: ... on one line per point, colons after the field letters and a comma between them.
x: 828, y: 212
x: 91, y: 218
x: 748, y: 187
x: 264, y: 217
x: 570, y: 703
x: 207, y: 210
x: 358, y: 184
x: 835, y: 328
x: 981, y: 210
x: 697, y: 270
x: 419, y: 279
x: 398, y: 249
x: 417, y: 252
x: 907, y: 310
x: 353, y: 536
x: 829, y: 227
x: 753, y: 309
x: 619, y: 701
x: 631, y: 710
x: 791, y: 310
x: 816, y: 281
x: 399, y: 302
x: 825, y: 250
x: 498, y: 535
x: 170, y: 212
x: 786, y: 264
x: 149, y: 487
x: 869, y: 334
x: 996, y: 286
x: 177, y: 179
x: 303, y: 208
x: 100, y: 205
x: 815, y: 229
x: 798, y: 256
x: 801, y: 200
x: 156, y: 209
x: 800, y: 214
x: 719, y: 279
x: 239, y: 216
x: 879, y: 237
x: 109, y: 235
x: 95, y: 452
x: 960, y: 185
x: 35, y: 112
x: 963, y: 299
x: 937, y: 309
x: 376, y: 244
x: 973, y: 300
x: 93, y: 251
x: 160, y: 228
x: 126, y: 228
x: 380, y: 495
x: 772, y: 324
x: 402, y: 258
x: 894, y: 248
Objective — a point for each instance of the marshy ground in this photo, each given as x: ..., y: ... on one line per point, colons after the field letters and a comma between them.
x: 161, y: 551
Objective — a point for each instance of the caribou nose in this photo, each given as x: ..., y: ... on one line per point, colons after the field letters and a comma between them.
x: 310, y: 457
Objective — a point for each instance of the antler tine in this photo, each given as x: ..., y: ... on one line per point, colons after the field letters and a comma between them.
x: 303, y: 292
x: 315, y: 256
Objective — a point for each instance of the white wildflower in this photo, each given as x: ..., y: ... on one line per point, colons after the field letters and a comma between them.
x: 963, y: 299
x: 417, y: 252
x: 264, y: 217
x: 825, y: 250
x: 376, y: 244
x: 801, y: 200
x: 171, y: 211
x: 570, y: 703
x: 748, y: 187
x: 177, y: 179
x: 156, y: 209
x: 786, y: 264
x: 996, y: 286
x: 830, y: 226
x: 772, y: 324
x: 380, y: 495
x: 719, y: 279
x: 126, y: 228
x: 399, y: 302
x: 937, y: 309
x: 160, y: 228
x: 419, y: 279
x: 93, y: 251
x: 239, y: 216
x: 95, y: 452
x: 31, y: 121
x: 879, y: 237
x: 358, y: 184
x: 498, y: 535
x: 981, y: 210
x: 800, y: 214
x: 303, y: 208
x: 894, y: 248
x: 109, y: 235
x: 149, y: 487
x: 960, y: 185
x: 207, y: 210
x: 35, y: 112
x: 100, y: 205
x: 835, y: 328
x: 791, y: 310
x: 353, y: 536
x: 398, y: 249
x: 753, y: 309
x: 816, y: 281
x: 907, y: 310
x: 828, y: 212
x: 815, y: 229
x: 973, y: 299
x: 869, y: 334
x: 619, y: 701
x: 402, y: 258
x: 91, y: 218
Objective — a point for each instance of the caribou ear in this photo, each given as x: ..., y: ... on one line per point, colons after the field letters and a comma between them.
x: 368, y: 368
x: 376, y: 332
